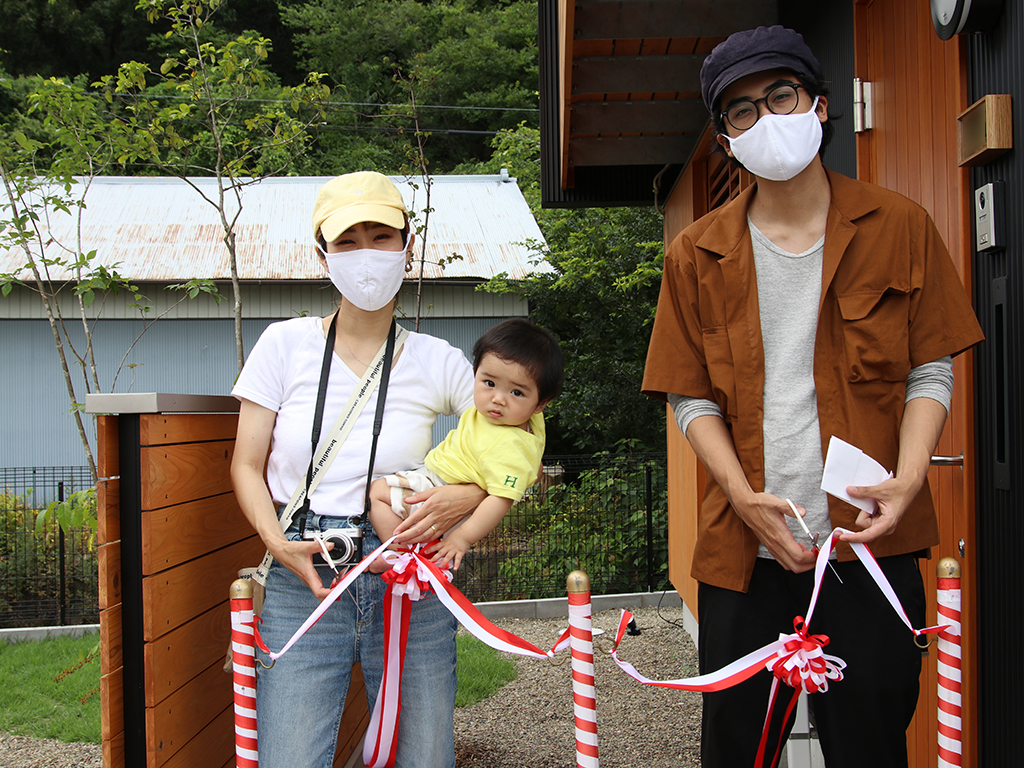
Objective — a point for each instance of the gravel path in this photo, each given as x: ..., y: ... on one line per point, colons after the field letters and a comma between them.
x: 529, y: 722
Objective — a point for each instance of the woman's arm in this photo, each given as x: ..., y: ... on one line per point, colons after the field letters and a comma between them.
x: 483, y: 520
x: 252, y: 443
x: 442, y: 508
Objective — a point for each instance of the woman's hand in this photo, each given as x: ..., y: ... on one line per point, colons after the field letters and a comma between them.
x: 297, y: 557
x: 440, y: 509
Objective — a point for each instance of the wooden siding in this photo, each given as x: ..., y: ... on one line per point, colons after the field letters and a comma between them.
x: 920, y: 86
x: 193, y: 537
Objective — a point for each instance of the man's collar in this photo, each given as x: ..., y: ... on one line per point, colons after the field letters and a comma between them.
x: 851, y: 198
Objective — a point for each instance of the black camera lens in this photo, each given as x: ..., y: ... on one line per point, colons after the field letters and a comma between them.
x: 343, y: 549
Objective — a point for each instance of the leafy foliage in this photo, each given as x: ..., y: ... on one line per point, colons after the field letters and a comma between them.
x: 475, y: 62
x: 599, y: 300
x: 29, y: 549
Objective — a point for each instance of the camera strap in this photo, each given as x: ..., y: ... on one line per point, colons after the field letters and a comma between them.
x: 378, y: 372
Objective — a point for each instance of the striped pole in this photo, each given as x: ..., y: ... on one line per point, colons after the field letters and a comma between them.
x: 948, y: 645
x: 581, y: 643
x: 243, y: 674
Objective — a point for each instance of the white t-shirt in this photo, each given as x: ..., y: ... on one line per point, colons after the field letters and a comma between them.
x: 282, y: 373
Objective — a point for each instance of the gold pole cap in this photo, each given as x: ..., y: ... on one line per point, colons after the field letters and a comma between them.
x: 241, y: 589
x: 577, y: 583
x: 948, y: 568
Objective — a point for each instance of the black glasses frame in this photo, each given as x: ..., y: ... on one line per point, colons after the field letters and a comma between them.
x: 767, y: 102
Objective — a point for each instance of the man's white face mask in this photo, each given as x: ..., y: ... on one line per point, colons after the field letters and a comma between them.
x: 367, y: 277
x: 778, y: 147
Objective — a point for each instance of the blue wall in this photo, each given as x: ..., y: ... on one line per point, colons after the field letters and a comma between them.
x: 176, y: 356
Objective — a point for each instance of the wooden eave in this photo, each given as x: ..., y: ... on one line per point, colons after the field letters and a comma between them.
x: 628, y: 81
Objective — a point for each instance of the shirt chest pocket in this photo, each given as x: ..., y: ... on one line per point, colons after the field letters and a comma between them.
x: 875, y: 334
x: 721, y: 369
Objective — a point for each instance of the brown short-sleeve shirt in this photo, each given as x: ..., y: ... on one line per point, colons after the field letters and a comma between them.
x: 891, y: 299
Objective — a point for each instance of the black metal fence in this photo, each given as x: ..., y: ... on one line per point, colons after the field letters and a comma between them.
x: 47, y: 577
x: 603, y: 514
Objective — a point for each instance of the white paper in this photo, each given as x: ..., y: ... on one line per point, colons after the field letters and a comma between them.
x: 847, y: 465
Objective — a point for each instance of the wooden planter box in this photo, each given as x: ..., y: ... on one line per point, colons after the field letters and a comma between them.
x: 171, y: 540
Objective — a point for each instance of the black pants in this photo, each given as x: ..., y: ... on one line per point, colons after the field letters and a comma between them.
x: 861, y: 720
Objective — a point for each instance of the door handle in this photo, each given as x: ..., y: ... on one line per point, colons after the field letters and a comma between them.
x: 948, y: 461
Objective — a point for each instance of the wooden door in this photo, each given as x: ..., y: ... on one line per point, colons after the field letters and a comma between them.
x: 919, y: 87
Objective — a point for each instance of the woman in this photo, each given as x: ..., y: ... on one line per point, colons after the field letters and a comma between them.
x: 362, y: 235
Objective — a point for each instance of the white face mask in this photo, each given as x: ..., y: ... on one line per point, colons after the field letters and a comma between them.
x: 367, y: 277
x: 778, y: 147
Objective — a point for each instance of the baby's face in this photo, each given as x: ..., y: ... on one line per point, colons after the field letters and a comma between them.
x: 504, y: 392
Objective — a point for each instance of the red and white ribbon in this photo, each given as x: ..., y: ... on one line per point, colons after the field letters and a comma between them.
x: 949, y: 667
x: 795, y: 659
x: 412, y: 577
x: 584, y: 693
x: 243, y: 679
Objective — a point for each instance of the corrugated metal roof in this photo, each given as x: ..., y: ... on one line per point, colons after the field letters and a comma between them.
x: 160, y: 229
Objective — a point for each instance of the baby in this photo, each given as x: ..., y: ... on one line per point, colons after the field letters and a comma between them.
x: 498, y: 443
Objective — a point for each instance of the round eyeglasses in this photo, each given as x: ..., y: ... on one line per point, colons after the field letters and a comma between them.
x: 781, y: 100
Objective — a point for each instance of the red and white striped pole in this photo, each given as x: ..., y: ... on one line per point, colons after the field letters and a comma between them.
x: 243, y: 674
x: 581, y: 644
x: 949, y: 664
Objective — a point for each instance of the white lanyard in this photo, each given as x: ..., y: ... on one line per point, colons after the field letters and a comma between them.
x: 335, y: 438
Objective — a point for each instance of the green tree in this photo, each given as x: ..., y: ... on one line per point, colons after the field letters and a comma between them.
x: 600, y: 302
x: 216, y: 111
x: 45, y: 180
x: 475, y: 63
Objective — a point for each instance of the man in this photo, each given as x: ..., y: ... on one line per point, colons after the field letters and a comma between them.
x: 812, y: 305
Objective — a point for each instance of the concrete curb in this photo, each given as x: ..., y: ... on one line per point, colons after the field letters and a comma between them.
x: 555, y: 607
x: 43, y: 633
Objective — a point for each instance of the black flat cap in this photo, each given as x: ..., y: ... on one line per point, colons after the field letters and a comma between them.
x: 754, y: 50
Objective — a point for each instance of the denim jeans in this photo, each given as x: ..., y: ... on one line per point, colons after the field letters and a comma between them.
x: 299, y: 702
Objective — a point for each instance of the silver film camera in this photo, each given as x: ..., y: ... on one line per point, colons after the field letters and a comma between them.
x: 348, y: 546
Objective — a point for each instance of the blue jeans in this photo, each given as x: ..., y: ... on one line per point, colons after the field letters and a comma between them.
x: 299, y: 702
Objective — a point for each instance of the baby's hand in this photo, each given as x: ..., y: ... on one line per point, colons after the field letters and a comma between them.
x: 451, y: 549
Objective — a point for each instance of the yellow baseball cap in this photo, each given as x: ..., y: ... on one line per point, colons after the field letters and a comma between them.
x: 347, y: 200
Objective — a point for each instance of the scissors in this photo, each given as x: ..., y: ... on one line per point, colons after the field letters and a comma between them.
x: 815, y: 549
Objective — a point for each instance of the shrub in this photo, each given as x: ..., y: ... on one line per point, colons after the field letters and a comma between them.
x: 597, y: 524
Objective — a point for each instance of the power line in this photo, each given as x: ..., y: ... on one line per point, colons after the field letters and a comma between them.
x: 175, y: 97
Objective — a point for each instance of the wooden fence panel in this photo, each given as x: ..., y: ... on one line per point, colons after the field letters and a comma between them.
x: 110, y: 639
x: 210, y: 746
x: 176, y: 474
x: 108, y: 511
x: 177, y: 657
x: 109, y: 564
x: 179, y: 594
x: 108, y: 456
x: 174, y: 535
x: 165, y: 429
x: 113, y: 702
x: 176, y: 720
x: 178, y: 503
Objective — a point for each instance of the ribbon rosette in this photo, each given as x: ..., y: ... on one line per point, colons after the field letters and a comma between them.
x: 802, y: 664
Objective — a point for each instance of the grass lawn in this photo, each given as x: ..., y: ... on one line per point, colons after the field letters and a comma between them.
x: 39, y: 694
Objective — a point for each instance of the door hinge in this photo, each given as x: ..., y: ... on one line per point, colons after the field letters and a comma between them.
x: 863, y: 117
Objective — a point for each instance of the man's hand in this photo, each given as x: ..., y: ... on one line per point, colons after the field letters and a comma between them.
x: 765, y: 515
x: 893, y: 497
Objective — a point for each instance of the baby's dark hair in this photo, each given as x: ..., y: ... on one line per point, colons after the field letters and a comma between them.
x: 520, y: 341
